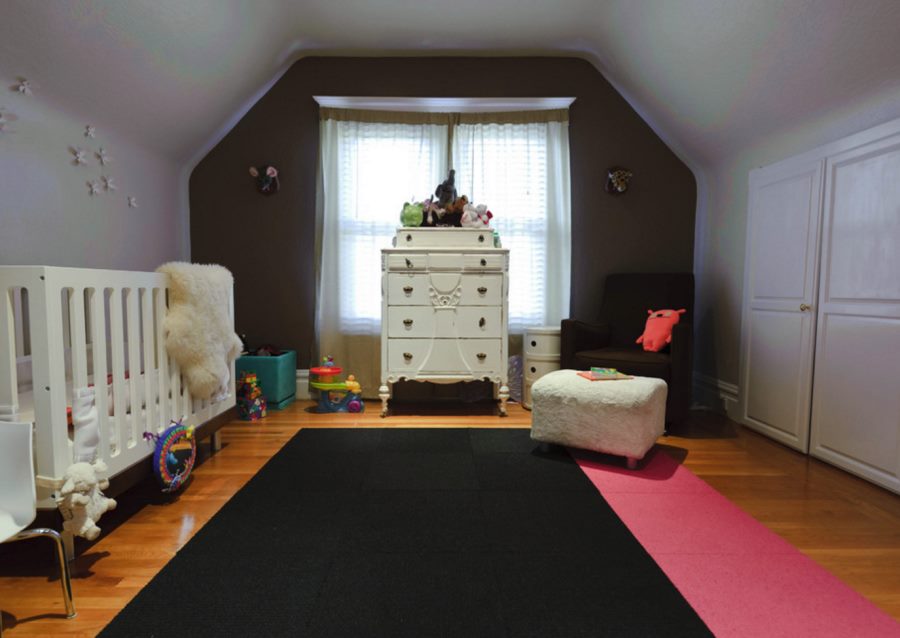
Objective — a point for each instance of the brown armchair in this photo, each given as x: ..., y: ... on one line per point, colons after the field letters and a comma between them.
x: 610, y: 340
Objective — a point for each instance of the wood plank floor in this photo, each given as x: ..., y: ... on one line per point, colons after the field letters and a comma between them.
x: 847, y: 525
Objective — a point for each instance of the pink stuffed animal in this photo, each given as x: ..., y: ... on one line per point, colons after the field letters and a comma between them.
x: 658, y: 331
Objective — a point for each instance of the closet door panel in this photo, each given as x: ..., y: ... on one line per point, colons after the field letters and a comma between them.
x: 779, y: 290
x: 775, y: 370
x: 856, y: 380
x: 856, y: 398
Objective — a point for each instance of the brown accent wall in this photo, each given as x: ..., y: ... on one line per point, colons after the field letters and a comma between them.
x: 267, y: 241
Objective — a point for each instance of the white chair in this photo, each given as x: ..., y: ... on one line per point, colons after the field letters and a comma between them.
x: 18, y: 501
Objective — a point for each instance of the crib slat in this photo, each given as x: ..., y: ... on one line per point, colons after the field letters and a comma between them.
x: 175, y: 389
x: 162, y: 360
x: 117, y: 347
x: 9, y: 392
x: 136, y: 427
x: 53, y: 455
x: 77, y: 339
x: 150, y: 397
x: 98, y: 352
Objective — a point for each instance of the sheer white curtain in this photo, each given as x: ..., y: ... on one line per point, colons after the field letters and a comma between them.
x: 368, y: 169
x: 521, y: 171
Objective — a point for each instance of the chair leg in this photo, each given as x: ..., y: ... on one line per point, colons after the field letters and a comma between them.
x: 64, y: 576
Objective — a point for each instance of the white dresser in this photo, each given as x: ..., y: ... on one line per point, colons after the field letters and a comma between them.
x: 444, y: 309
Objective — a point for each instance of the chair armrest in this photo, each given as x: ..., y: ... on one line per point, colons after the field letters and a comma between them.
x: 576, y: 336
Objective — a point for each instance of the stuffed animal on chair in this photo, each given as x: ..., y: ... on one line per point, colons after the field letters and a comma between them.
x: 658, y: 330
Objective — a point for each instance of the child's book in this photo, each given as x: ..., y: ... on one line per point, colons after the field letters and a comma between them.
x: 614, y: 375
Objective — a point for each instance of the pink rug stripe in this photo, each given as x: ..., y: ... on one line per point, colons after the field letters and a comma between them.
x: 741, y: 578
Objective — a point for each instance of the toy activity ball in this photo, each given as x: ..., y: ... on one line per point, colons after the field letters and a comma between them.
x: 336, y: 396
x: 174, y: 455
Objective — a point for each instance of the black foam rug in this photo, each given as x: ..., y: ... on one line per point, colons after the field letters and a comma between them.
x: 412, y: 532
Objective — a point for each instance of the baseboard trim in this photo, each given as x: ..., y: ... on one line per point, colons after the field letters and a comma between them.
x: 715, y: 393
x: 303, y: 385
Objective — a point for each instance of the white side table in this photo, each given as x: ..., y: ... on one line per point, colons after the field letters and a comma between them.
x: 541, y: 357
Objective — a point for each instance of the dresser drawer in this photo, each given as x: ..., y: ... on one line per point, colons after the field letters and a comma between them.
x: 424, y: 322
x: 481, y: 290
x: 473, y: 322
x: 482, y: 355
x: 418, y: 322
x: 483, y: 261
x: 408, y: 289
x: 445, y: 356
x: 418, y: 289
x: 407, y: 262
x: 444, y: 237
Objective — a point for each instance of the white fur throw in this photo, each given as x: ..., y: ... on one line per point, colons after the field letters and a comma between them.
x: 616, y: 417
x: 198, y: 326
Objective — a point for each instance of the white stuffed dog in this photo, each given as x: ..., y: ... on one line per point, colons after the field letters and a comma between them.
x: 80, y: 500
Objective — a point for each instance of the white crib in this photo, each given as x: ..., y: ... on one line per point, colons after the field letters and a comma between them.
x: 67, y: 328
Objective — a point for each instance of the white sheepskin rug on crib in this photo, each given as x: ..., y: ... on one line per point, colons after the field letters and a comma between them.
x: 199, y: 336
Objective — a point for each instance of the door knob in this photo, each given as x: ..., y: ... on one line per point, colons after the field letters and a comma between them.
x: 804, y: 307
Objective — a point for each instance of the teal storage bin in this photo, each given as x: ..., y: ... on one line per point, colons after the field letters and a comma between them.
x: 277, y: 376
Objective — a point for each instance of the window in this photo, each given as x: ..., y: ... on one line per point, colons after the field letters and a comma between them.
x: 377, y: 166
x: 519, y: 168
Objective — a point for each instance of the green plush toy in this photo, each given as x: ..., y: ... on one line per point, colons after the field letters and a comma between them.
x: 411, y: 215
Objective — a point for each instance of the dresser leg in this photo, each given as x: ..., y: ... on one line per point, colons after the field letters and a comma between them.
x: 384, y: 393
x: 504, y: 395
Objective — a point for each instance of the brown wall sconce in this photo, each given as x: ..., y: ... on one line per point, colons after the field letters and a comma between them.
x: 617, y: 180
x: 266, y: 179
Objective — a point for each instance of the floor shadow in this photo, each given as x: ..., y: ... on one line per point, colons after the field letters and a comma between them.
x: 443, y: 408
x: 10, y: 621
x: 704, y: 424
x: 659, y: 464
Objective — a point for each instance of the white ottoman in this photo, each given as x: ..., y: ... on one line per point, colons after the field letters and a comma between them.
x: 617, y: 417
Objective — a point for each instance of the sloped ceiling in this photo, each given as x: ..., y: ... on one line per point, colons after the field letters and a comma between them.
x: 712, y: 76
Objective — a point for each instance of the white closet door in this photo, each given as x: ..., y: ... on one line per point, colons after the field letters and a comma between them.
x: 778, y: 330
x: 856, y: 397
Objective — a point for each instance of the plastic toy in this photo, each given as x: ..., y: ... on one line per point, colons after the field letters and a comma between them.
x: 251, y: 403
x: 336, y: 396
x: 174, y: 455
x: 658, y: 331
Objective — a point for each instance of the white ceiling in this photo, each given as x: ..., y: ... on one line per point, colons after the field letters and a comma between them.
x: 712, y: 76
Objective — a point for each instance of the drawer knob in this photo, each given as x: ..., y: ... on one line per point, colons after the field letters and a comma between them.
x: 407, y: 322
x: 481, y: 356
x: 533, y: 369
x: 481, y: 238
x: 481, y: 322
x: 533, y: 343
x: 407, y: 356
x: 484, y: 262
x: 482, y: 290
x: 408, y: 263
x: 408, y: 290
x: 409, y: 238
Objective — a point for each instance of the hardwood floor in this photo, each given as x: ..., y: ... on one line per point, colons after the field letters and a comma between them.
x: 849, y: 526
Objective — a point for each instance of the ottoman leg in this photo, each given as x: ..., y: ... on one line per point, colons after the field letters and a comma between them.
x: 632, y: 463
